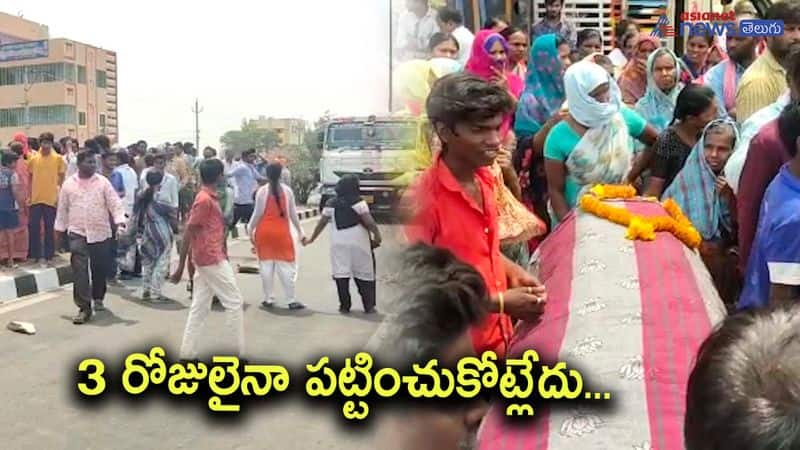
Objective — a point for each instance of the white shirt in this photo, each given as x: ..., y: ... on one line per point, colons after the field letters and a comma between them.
x: 71, y: 159
x: 131, y: 183
x: 465, y: 39
x: 749, y: 130
x: 414, y: 34
x: 168, y: 193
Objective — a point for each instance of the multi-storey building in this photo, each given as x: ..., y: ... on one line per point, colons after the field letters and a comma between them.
x: 56, y: 85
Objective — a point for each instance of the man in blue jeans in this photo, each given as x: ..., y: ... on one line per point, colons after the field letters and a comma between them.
x: 47, y: 170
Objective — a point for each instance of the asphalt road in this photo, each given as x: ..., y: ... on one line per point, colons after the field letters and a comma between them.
x: 41, y: 410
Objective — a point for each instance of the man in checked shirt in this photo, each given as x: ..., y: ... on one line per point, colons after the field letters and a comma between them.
x: 84, y: 205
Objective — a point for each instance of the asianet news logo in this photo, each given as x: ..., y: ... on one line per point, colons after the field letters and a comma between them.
x: 716, y: 24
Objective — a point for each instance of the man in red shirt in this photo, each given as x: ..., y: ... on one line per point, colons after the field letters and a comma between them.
x: 214, y: 276
x: 454, y: 203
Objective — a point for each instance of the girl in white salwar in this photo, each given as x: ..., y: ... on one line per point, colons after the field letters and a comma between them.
x: 353, y: 237
x: 272, y: 237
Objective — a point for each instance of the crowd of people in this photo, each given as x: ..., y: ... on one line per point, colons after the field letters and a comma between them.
x: 120, y: 212
x: 531, y: 121
x: 701, y: 128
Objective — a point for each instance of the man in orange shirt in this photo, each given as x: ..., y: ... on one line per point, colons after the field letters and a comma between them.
x: 205, y: 236
x: 455, y: 204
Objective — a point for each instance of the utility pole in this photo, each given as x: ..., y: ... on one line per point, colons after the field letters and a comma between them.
x: 197, y: 110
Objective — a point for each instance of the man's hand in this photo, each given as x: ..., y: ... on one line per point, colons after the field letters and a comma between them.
x: 519, y: 277
x: 523, y: 303
x: 175, y: 278
x: 504, y: 158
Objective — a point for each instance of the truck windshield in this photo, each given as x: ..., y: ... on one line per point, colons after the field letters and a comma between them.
x: 377, y: 136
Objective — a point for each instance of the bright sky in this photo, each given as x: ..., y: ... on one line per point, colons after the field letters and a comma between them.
x: 279, y: 58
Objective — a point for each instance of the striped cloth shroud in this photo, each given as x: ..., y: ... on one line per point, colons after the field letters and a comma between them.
x: 630, y: 316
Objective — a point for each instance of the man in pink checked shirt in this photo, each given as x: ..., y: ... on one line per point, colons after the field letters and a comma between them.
x: 84, y: 205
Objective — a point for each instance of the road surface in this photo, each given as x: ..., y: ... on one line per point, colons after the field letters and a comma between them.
x: 40, y: 408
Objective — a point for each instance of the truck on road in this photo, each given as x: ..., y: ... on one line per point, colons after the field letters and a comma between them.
x: 385, y: 153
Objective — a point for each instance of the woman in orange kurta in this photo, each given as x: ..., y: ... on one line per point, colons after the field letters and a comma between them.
x: 20, y: 234
x: 272, y: 236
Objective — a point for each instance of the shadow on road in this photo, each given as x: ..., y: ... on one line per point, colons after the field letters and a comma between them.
x: 104, y: 319
x: 286, y: 312
x: 132, y: 296
x: 217, y: 307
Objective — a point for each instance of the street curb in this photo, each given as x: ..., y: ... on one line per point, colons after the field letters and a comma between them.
x: 36, y: 281
x: 33, y: 281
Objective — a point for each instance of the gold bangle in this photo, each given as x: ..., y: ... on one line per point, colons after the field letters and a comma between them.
x: 502, y: 305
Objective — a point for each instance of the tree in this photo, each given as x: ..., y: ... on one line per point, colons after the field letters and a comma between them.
x: 304, y: 161
x: 249, y: 137
x: 305, y: 171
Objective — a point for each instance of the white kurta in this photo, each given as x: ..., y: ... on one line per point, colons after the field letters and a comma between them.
x: 351, y: 249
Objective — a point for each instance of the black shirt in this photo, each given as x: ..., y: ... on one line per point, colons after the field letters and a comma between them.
x: 671, y: 154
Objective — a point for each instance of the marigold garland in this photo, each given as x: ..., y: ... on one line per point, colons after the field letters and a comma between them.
x: 640, y: 227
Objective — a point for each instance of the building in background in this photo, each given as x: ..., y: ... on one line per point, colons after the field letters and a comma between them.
x: 289, y: 131
x: 56, y: 85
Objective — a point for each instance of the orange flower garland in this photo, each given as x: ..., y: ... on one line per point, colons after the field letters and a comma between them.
x: 640, y: 227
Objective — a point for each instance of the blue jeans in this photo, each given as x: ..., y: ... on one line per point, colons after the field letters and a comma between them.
x: 39, y: 213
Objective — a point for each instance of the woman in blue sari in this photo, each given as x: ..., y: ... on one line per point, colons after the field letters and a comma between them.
x: 708, y: 201
x: 544, y: 85
x: 155, y: 234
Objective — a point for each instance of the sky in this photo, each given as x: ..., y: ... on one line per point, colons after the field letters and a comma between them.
x: 241, y: 59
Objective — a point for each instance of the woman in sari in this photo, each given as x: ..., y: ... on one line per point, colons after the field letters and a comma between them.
x: 154, y: 231
x: 592, y: 145
x: 443, y: 45
x: 537, y: 112
x: 708, y: 201
x: 657, y: 106
x: 20, y: 233
x: 519, y: 45
x: 633, y: 79
x: 697, y: 53
x: 22, y: 139
x: 489, y: 61
x: 589, y: 41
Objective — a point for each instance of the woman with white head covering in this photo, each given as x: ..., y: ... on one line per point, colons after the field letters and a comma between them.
x: 592, y: 144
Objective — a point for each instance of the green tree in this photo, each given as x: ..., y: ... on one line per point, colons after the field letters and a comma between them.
x: 304, y: 160
x: 305, y: 171
x: 249, y: 137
